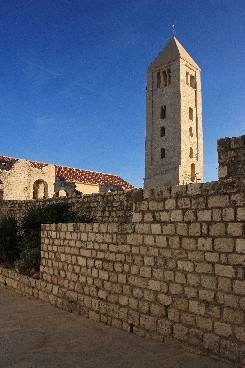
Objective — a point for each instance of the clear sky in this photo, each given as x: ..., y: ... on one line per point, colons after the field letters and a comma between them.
x: 73, y: 77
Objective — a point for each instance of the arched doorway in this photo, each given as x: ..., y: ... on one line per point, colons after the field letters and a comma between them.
x: 40, y: 189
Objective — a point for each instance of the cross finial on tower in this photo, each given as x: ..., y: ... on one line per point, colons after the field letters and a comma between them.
x: 173, y: 30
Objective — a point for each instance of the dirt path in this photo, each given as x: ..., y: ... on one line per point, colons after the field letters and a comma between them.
x: 37, y: 335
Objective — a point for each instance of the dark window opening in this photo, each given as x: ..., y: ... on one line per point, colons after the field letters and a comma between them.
x: 165, y: 78
x: 169, y: 76
x: 191, y: 153
x: 190, y: 113
x: 192, y: 81
x: 187, y: 78
x: 162, y: 152
x: 191, y: 132
x: 162, y: 131
x: 163, y: 112
x: 193, y: 172
x: 158, y: 79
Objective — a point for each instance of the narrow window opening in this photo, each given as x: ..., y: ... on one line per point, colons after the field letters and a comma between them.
x: 165, y: 78
x: 162, y: 152
x: 192, y: 81
x: 191, y: 153
x: 191, y: 132
x: 187, y: 78
x: 163, y: 112
x: 162, y: 131
x: 158, y: 79
x: 193, y: 172
x: 190, y: 113
x: 169, y: 76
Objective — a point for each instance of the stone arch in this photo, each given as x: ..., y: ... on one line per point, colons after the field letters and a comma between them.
x: 40, y: 189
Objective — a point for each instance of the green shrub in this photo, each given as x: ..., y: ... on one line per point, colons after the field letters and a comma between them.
x: 29, y: 261
x: 10, y: 245
x: 53, y: 213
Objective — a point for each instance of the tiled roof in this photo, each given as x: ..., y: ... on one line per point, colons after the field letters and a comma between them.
x: 7, y: 162
x: 72, y: 174
x: 90, y: 177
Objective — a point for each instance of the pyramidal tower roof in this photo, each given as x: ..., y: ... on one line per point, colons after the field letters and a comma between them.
x: 171, y: 52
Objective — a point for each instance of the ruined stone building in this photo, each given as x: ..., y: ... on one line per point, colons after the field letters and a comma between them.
x: 24, y: 179
x: 174, y: 141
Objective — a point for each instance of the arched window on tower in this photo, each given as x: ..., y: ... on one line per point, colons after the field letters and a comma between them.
x: 192, y: 81
x: 193, y: 172
x: 40, y: 189
x: 169, y: 76
x: 165, y: 78
x: 162, y: 131
x: 158, y: 79
x: 163, y: 153
x: 163, y: 112
x: 191, y: 153
x: 190, y: 113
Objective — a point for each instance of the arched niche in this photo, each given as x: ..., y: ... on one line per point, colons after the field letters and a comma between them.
x: 40, y: 189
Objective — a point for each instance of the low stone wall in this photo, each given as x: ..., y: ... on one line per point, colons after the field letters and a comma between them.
x: 107, y: 207
x: 231, y: 157
x: 177, y: 270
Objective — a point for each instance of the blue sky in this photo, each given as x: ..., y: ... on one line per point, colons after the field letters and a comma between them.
x: 73, y: 77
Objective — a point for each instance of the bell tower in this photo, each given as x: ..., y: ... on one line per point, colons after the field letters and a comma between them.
x: 174, y: 140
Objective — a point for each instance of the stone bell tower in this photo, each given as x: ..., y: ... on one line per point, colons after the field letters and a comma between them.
x: 174, y: 141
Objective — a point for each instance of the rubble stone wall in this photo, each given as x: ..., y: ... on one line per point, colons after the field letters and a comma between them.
x: 106, y: 207
x: 231, y: 157
x: 177, y: 271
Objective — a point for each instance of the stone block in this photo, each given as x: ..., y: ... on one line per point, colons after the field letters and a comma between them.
x: 217, y: 229
x: 204, y: 215
x: 240, y: 333
x: 207, y: 295
x: 176, y: 216
x: 211, y: 342
x: 185, y: 265
x: 204, y: 267
x: 218, y: 201
x: 233, y: 316
x: 148, y: 322
x: 224, y: 245
x: 239, y: 287
x: 222, y: 329
x: 164, y: 327
x: 196, y: 307
x: 241, y: 214
x: 235, y: 229
x: 240, y: 245
x: 204, y: 323
x: 180, y: 332
x: 223, y: 270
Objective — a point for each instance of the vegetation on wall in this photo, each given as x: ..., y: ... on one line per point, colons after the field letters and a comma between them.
x: 20, y: 244
x: 10, y: 244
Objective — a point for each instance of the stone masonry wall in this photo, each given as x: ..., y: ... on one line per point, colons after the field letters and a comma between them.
x: 106, y: 207
x: 177, y: 271
x: 231, y: 157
